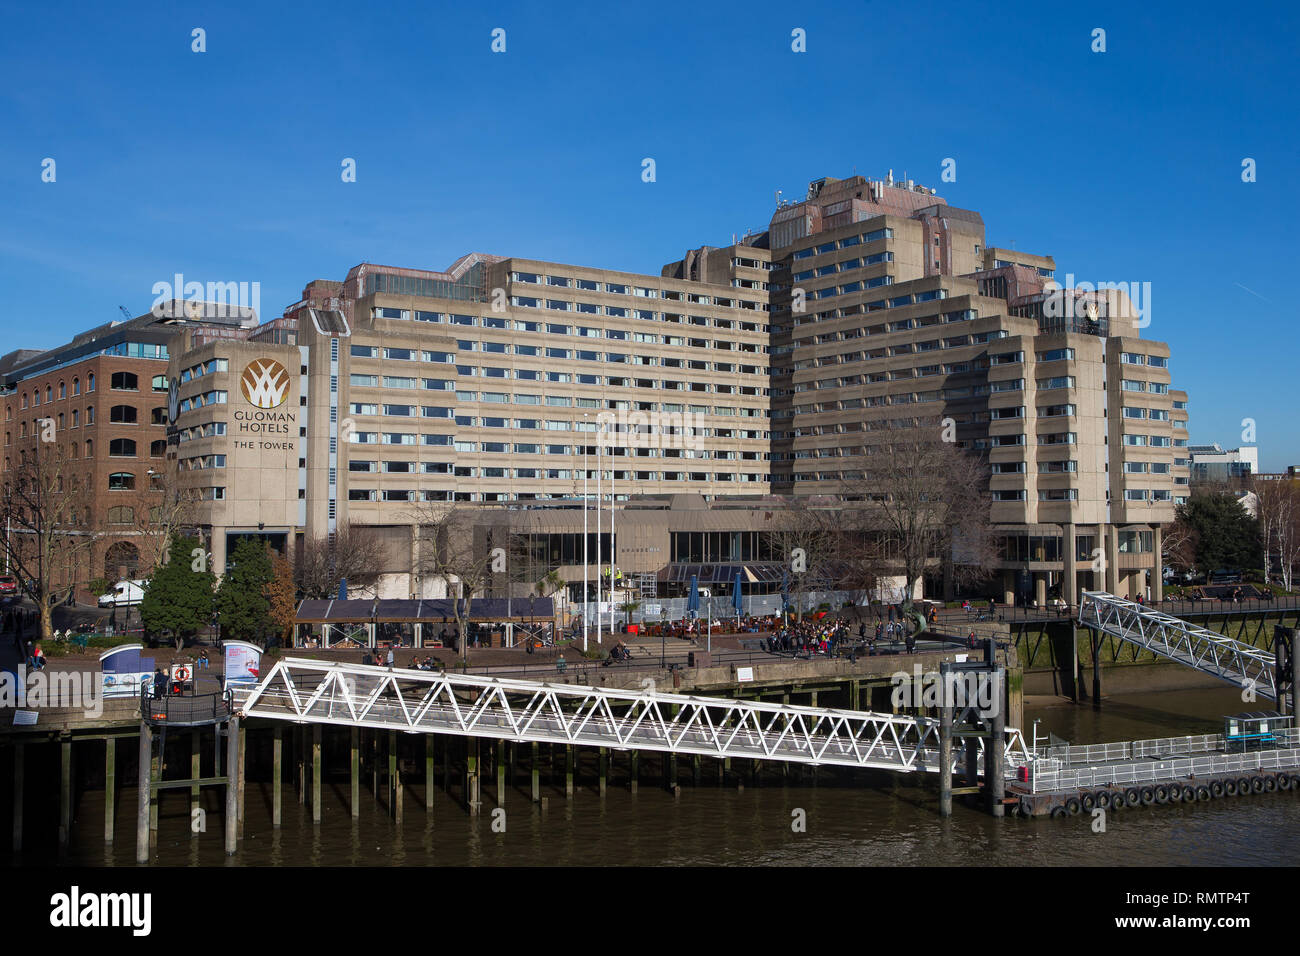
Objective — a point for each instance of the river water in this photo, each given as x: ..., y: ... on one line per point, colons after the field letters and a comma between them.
x: 870, y: 819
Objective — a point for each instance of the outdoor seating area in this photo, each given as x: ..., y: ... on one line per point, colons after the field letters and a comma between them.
x: 398, y: 623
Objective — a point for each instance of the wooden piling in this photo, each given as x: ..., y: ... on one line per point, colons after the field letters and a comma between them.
x: 144, y: 802
x: 233, y: 764
x: 315, y: 772
x: 110, y: 787
x: 277, y: 773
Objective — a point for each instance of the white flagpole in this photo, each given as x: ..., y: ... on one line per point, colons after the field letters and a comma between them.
x: 599, y: 619
x: 612, y: 562
x: 586, y: 595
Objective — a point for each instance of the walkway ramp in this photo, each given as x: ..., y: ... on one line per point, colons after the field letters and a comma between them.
x: 413, y: 701
x: 1170, y: 637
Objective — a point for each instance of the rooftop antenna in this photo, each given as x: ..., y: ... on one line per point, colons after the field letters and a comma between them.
x: 124, y: 312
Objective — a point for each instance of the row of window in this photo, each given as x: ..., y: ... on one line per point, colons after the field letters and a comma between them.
x: 1137, y: 358
x: 205, y: 368
x: 549, y: 474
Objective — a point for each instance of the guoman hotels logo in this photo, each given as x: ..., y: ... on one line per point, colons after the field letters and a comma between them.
x: 265, y: 383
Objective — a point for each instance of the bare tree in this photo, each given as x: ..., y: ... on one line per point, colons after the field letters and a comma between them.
x: 1178, y: 545
x: 50, y: 531
x: 928, y: 503
x: 1277, y: 507
x: 806, y: 537
x: 465, y: 547
x: 355, y: 554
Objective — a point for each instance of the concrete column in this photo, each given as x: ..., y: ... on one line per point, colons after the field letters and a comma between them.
x: 1111, y: 533
x: 110, y: 787
x: 155, y: 774
x: 233, y: 764
x: 972, y: 778
x: 635, y: 769
x: 1008, y: 588
x: 1040, y: 588
x: 1074, y: 662
x: 1069, y: 561
x: 695, y: 769
x: 392, y: 773
x: 65, y: 792
x: 602, y: 769
x: 354, y: 761
x: 143, y: 802
x: 315, y: 772
x: 1157, y: 565
x: 568, y: 770
x: 277, y: 772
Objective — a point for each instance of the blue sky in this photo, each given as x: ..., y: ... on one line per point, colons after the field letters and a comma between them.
x: 225, y: 165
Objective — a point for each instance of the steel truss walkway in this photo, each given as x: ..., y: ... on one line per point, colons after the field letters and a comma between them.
x: 1177, y: 640
x: 352, y: 695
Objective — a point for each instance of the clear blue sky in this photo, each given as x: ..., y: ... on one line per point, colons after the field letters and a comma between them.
x: 225, y: 165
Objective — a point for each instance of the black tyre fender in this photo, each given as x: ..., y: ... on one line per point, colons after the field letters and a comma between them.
x: 1059, y: 812
x: 1216, y: 789
x: 1072, y: 806
x: 1283, y: 781
x: 1148, y: 796
x: 1229, y: 787
x: 1177, y: 793
x: 1162, y: 793
x: 1088, y: 802
x: 1132, y: 797
x: 1187, y: 794
x: 1257, y: 784
x: 1203, y: 792
x: 1243, y: 785
x: 1102, y: 798
x: 1270, y: 783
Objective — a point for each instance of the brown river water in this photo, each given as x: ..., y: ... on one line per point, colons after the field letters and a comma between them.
x: 861, y: 820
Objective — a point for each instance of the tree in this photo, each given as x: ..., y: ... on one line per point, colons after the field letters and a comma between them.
x: 1226, y: 535
x: 457, y: 545
x: 356, y: 554
x: 178, y: 597
x: 51, y: 534
x: 282, y: 595
x: 243, y: 607
x: 1277, y: 507
x: 805, y: 537
x: 927, y: 503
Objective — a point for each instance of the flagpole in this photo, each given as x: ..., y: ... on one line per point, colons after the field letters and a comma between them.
x: 599, y: 620
x: 585, y: 593
x: 612, y: 552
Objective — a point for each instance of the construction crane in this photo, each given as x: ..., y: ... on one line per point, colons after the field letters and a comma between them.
x: 124, y: 312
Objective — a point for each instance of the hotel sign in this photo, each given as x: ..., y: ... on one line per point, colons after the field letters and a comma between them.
x: 264, y: 384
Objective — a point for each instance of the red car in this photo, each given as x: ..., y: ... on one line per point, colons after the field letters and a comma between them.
x: 8, y: 586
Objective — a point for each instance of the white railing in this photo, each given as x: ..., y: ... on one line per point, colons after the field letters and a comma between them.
x: 313, y: 691
x: 1159, y: 771
x: 1166, y: 636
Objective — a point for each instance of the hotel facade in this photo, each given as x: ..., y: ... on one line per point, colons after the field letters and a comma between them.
x: 714, y: 393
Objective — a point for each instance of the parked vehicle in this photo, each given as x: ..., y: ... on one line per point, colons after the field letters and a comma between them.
x: 8, y: 586
x: 124, y: 594
x: 1225, y: 576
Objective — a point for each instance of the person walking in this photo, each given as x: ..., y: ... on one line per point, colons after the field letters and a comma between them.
x: 389, y: 660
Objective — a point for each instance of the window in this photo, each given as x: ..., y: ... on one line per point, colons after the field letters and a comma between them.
x: 76, y: 386
x: 158, y: 416
x: 124, y: 381
x: 121, y: 514
x: 122, y: 414
x: 90, y: 382
x: 121, y: 448
x: 158, y: 449
x: 159, y: 384
x: 121, y: 481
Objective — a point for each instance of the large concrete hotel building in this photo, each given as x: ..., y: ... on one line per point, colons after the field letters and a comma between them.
x: 770, y: 368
